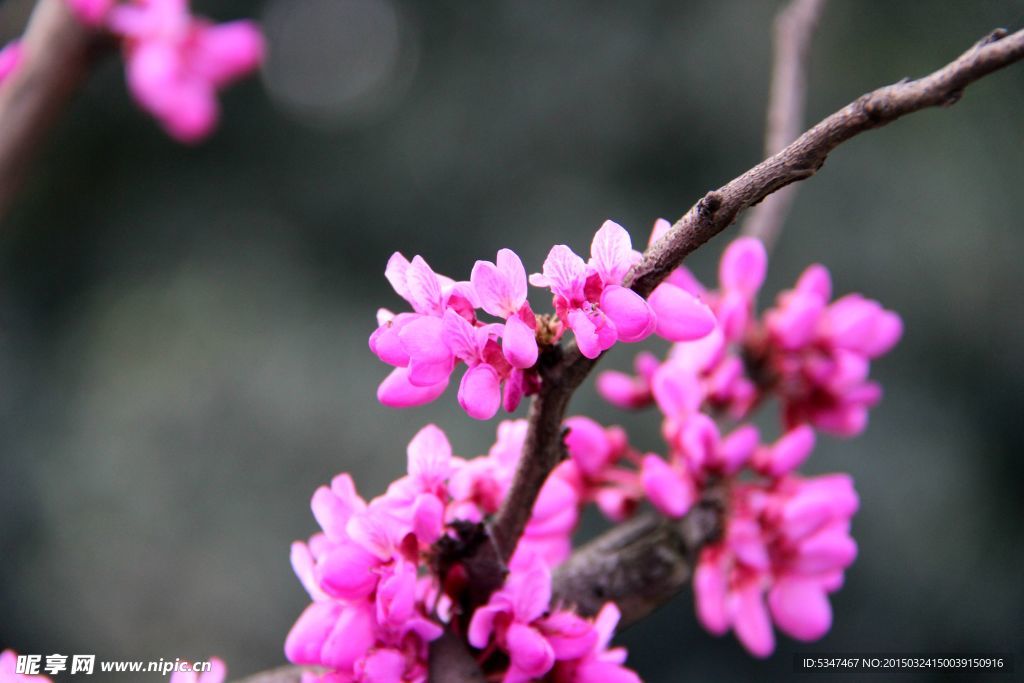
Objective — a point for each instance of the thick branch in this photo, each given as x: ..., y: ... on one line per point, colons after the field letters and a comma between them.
x: 794, y: 27
x: 56, y: 53
x: 638, y: 565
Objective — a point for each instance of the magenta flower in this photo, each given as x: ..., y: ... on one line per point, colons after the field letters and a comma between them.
x: 176, y: 62
x: 414, y: 342
x: 789, y: 543
x: 501, y: 289
x: 537, y: 641
x: 9, y: 667
x: 589, y: 298
x: 630, y: 391
x: 10, y: 57
x: 480, y: 389
x: 217, y: 673
x: 599, y: 664
x: 819, y: 354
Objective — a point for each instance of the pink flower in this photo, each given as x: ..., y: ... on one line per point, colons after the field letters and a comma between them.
x: 9, y: 667
x: 589, y: 298
x: 599, y: 664
x: 785, y: 548
x: 518, y: 621
x: 480, y: 389
x: 176, y: 63
x: 217, y: 673
x: 501, y: 289
x: 626, y: 391
x: 10, y: 58
x: 414, y: 342
x: 740, y: 274
x: 818, y: 354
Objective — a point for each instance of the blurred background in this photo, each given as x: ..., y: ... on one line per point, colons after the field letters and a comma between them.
x: 183, y: 330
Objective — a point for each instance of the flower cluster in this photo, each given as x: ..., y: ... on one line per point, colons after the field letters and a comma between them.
x: 443, y: 328
x: 786, y: 537
x: 380, y: 593
x: 176, y: 62
x: 377, y: 604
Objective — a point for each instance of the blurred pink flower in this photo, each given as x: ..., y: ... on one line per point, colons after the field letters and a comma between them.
x: 176, y: 62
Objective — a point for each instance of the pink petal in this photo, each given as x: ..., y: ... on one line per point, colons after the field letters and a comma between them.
x: 736, y: 449
x: 352, y: 637
x: 532, y: 592
x: 588, y: 444
x: 743, y: 266
x: 800, y: 608
x: 423, y: 287
x: 347, y: 571
x: 621, y: 390
x: 482, y: 625
x: 10, y: 57
x: 427, y: 518
x: 826, y: 551
x: 817, y: 281
x: 429, y: 457
x: 790, y: 451
x: 680, y: 315
x: 593, y: 335
x: 430, y: 360
x: 667, y: 489
x: 396, y: 273
x: 612, y: 253
x: 305, y: 641
x: 501, y: 287
x: 396, y: 391
x: 528, y: 650
x: 519, y: 343
x: 303, y: 565
x: 384, y: 666
x: 564, y: 272
x: 709, y: 587
x: 633, y: 317
x: 225, y: 52
x: 480, y: 392
x: 751, y: 622
x: 569, y: 635
x: 676, y: 390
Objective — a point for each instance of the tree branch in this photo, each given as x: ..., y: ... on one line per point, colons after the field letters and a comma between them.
x: 57, y: 50
x: 794, y: 28
x: 640, y: 564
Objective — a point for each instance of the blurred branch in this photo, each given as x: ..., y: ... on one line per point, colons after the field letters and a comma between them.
x: 794, y: 28
x: 57, y: 50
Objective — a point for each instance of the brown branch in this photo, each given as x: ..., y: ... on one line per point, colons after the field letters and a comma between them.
x: 640, y: 564
x: 57, y: 50
x: 794, y: 27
